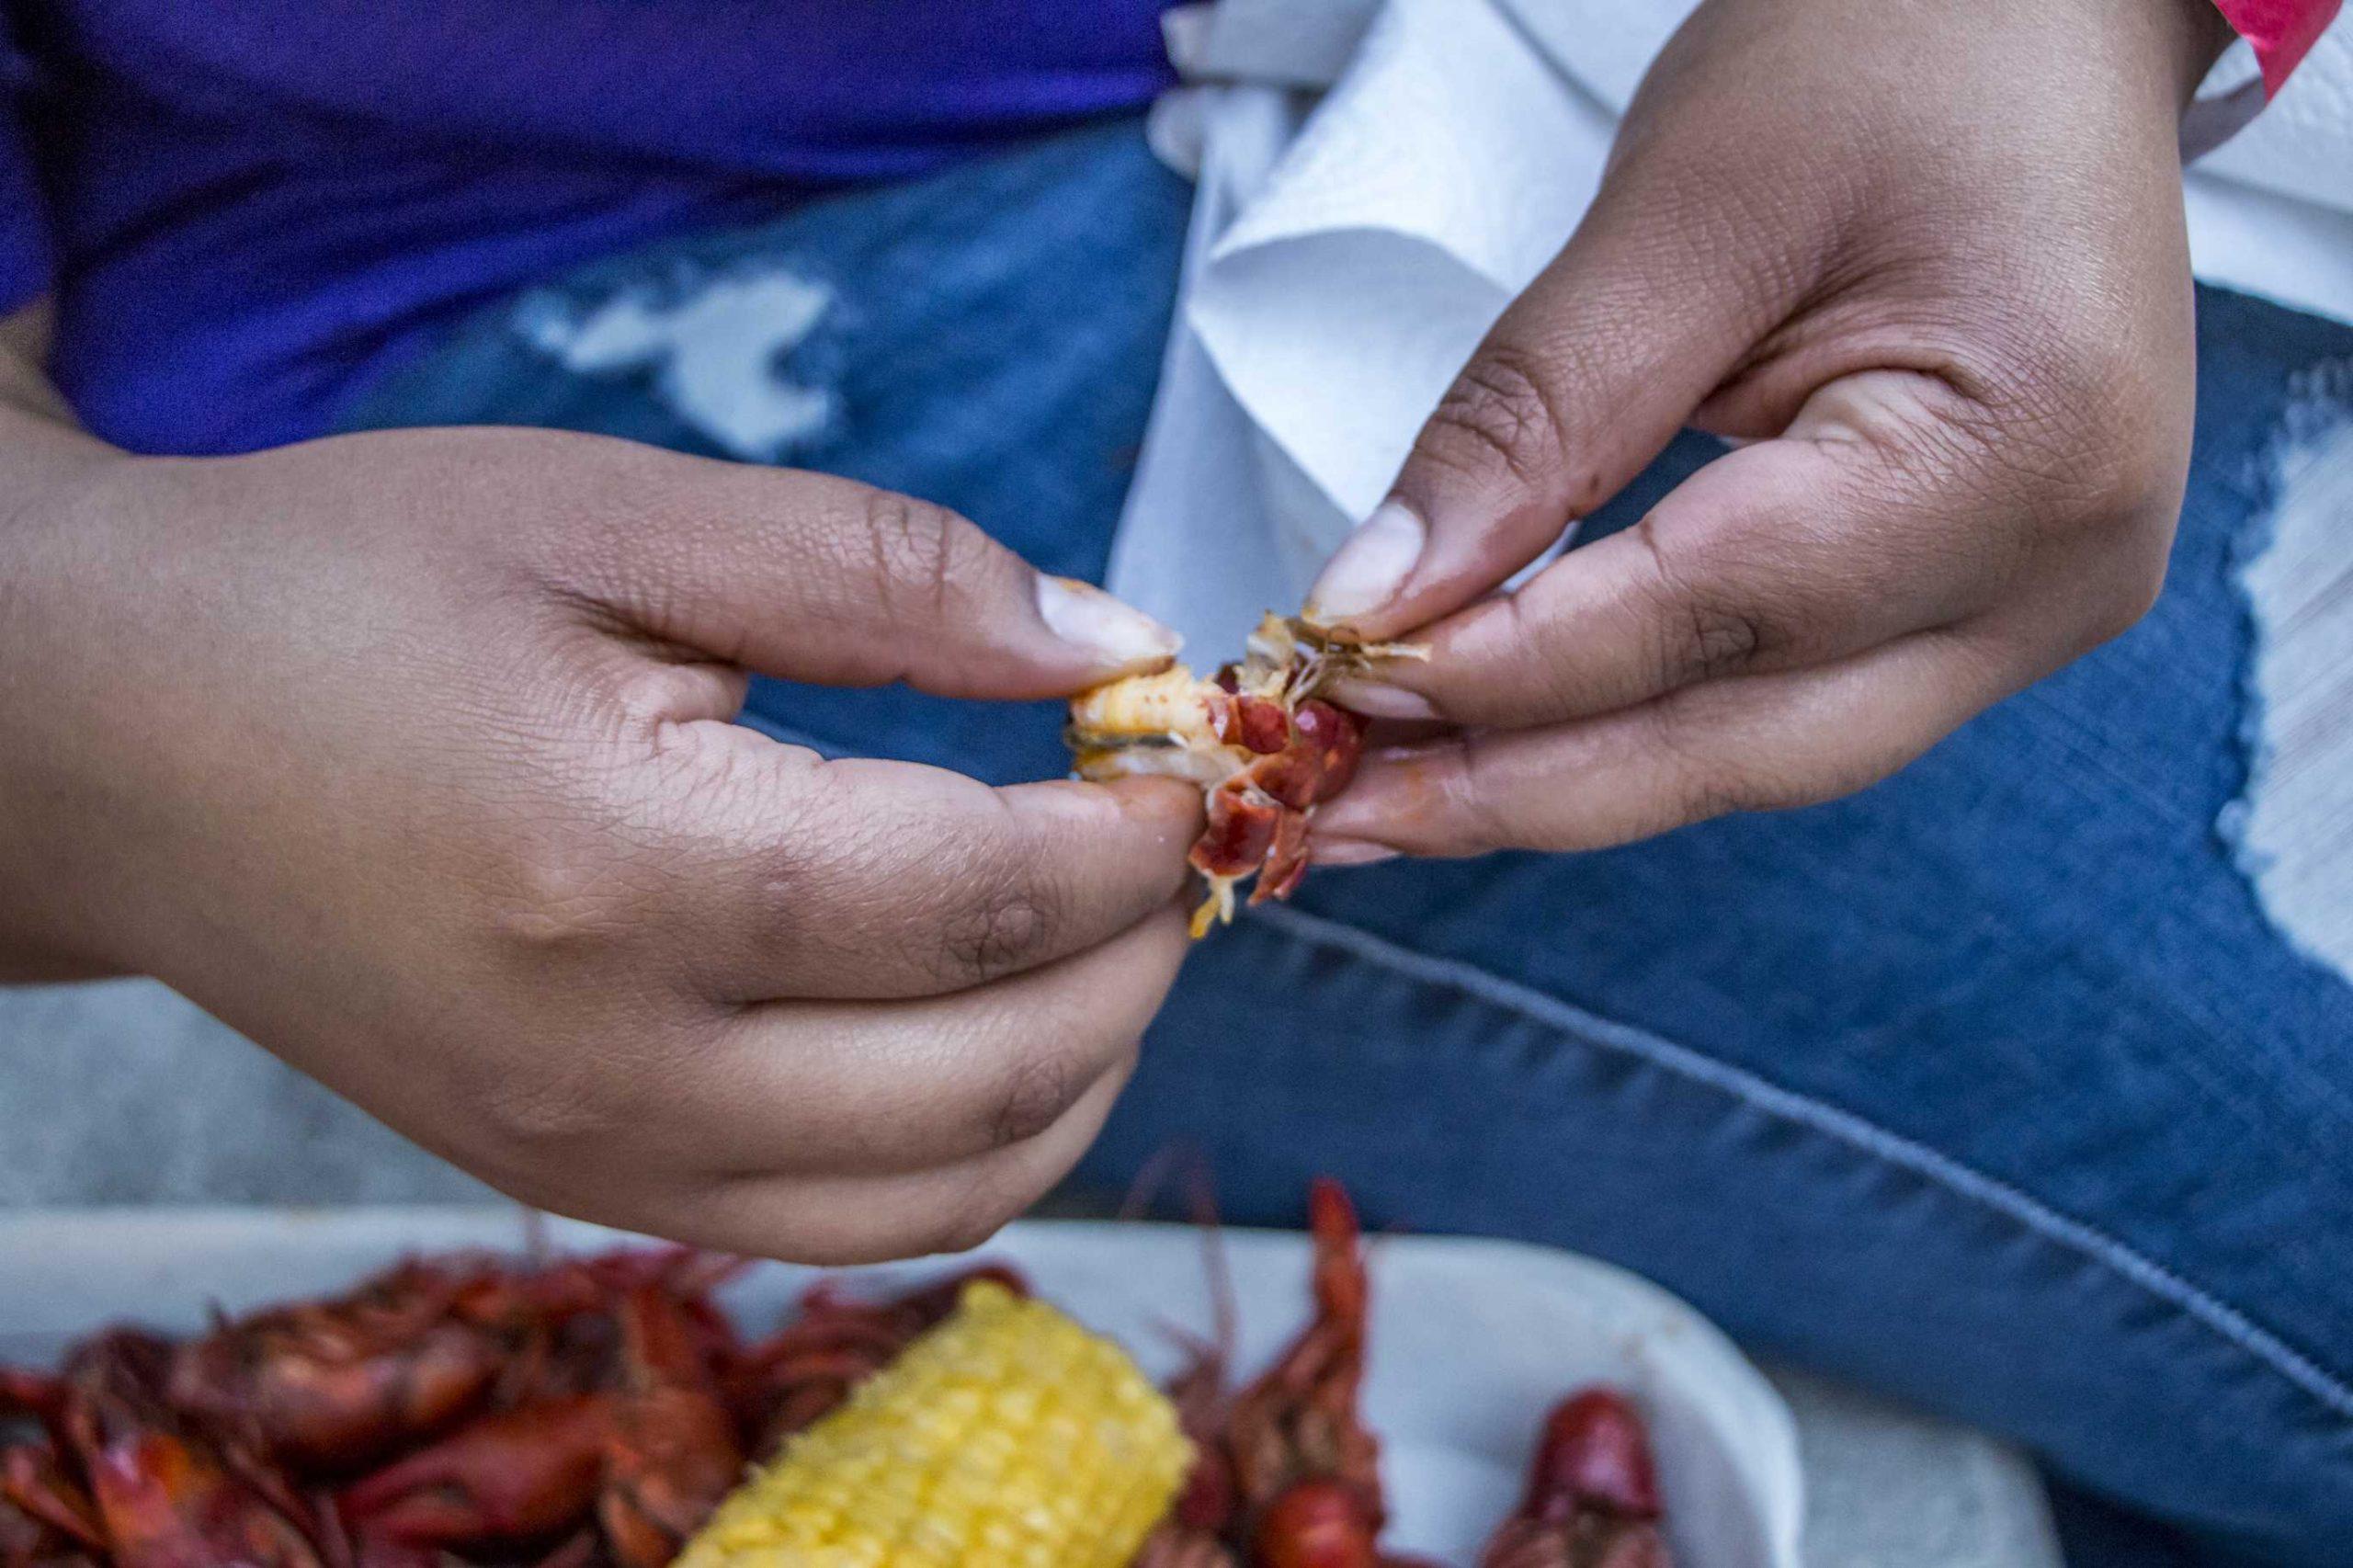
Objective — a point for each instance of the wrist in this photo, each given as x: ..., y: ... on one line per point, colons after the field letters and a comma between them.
x: 2203, y: 33
x: 63, y: 912
x: 2168, y: 43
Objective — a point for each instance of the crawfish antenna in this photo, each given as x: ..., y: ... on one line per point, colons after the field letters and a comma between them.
x: 1224, y: 1317
x: 1149, y: 1178
x: 1200, y: 1191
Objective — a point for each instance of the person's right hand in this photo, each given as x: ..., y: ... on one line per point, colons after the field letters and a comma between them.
x: 409, y: 756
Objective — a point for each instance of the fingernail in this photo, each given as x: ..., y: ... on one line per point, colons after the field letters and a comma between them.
x: 1347, y: 852
x: 1367, y: 569
x: 1085, y: 616
x: 1375, y: 701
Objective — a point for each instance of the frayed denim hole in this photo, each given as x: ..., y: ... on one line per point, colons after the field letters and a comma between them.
x: 718, y: 342
x: 2291, y: 830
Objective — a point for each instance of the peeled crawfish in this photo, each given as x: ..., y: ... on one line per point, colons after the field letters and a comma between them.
x: 1258, y: 737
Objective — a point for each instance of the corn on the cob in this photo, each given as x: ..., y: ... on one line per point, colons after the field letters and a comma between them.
x: 1007, y: 1437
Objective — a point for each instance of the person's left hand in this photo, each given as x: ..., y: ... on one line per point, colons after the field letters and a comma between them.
x: 1928, y: 263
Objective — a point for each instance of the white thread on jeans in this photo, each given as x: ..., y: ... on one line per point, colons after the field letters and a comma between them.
x: 2293, y: 828
x: 2226, y: 1321
x: 714, y: 350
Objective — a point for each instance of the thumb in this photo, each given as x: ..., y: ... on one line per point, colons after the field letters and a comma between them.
x: 1575, y: 389
x: 828, y: 581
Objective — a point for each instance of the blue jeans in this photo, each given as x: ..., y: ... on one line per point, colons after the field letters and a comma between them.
x: 1992, y: 1086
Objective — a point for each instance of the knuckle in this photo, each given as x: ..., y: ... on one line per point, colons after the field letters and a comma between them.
x: 1705, y: 793
x: 1036, y: 1093
x: 2093, y: 384
x: 812, y: 884
x: 2078, y: 424
x: 964, y: 1226
x: 1498, y: 414
x: 545, y: 1120
x: 554, y: 901
x: 1700, y: 786
x: 976, y: 1227
x: 834, y: 1241
x: 1479, y: 803
x: 1708, y: 640
x: 1712, y: 791
x: 1009, y: 927
x: 920, y: 552
x: 2102, y: 562
x: 2131, y: 593
x: 1712, y: 780
x: 1553, y: 659
x: 1701, y: 635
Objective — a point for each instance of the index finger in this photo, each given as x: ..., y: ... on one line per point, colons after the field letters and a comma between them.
x: 1759, y: 742
x: 1872, y: 516
x: 869, y: 878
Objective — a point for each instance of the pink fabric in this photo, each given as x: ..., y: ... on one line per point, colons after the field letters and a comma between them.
x: 2282, y: 30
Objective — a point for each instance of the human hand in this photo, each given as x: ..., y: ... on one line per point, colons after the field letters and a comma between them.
x: 1927, y: 262
x: 408, y: 754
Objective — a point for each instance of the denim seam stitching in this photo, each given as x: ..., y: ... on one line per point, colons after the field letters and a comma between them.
x: 2234, y: 1326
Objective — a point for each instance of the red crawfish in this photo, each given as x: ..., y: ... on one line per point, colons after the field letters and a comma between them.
x: 1306, y: 1469
x: 672, y: 1451
x: 518, y: 1474
x: 1290, y: 1474
x: 331, y: 1385
x: 1317, y: 1522
x: 165, y: 1493
x: 1258, y: 738
x: 169, y: 1501
x: 1592, y: 1498
x: 45, y: 1515
x: 647, y: 1452
x: 334, y: 1383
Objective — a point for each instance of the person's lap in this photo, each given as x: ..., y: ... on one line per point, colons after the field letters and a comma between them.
x: 1992, y: 1086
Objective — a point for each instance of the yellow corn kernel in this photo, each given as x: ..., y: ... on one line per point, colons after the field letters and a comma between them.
x: 1007, y: 1437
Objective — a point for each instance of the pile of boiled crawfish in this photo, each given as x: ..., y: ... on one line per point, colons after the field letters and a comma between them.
x: 591, y: 1413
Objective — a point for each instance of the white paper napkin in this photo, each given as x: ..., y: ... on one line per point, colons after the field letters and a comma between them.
x: 1380, y: 177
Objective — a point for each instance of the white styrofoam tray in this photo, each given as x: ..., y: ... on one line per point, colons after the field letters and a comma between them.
x: 1471, y: 1340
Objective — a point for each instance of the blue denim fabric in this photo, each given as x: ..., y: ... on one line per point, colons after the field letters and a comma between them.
x: 1989, y: 1086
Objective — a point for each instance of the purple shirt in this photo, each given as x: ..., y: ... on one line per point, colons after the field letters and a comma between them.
x: 242, y: 207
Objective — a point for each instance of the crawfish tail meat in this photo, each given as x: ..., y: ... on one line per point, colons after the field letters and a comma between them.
x: 1260, y: 738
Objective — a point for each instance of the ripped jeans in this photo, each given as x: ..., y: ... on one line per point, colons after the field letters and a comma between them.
x: 2020, y: 1086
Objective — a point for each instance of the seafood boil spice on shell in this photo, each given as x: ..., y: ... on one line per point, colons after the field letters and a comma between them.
x: 1260, y: 737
